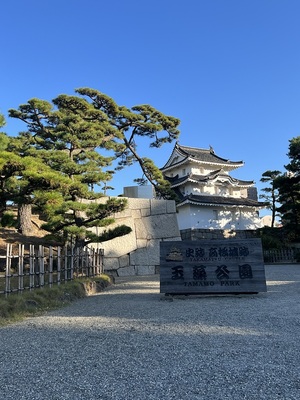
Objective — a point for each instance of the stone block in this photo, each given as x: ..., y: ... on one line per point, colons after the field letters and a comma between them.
x: 110, y: 263
x: 137, y: 204
x: 127, y: 271
x: 121, y: 245
x: 142, y: 227
x: 139, y: 257
x: 171, y: 206
x: 127, y: 213
x: 145, y: 270
x: 158, y: 206
x: 153, y: 249
x: 146, y: 255
x: 124, y: 261
x: 135, y: 213
x: 145, y: 212
x: 141, y: 243
x: 157, y: 227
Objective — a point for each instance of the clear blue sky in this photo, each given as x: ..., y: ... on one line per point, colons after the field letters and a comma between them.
x: 228, y: 69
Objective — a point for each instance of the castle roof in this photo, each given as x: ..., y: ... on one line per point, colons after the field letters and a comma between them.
x: 217, y: 175
x: 219, y: 201
x: 183, y: 154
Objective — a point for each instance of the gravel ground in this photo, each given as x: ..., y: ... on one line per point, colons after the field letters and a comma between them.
x: 129, y: 342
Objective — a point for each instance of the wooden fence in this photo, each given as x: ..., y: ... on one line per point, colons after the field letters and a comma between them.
x: 280, y: 256
x: 40, y: 266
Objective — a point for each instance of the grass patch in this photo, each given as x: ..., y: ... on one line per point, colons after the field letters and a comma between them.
x: 16, y: 307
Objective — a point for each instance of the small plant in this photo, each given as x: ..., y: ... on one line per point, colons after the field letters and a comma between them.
x: 8, y: 220
x: 272, y: 238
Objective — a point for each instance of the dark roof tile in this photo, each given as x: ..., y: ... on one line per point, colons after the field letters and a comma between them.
x: 221, y: 200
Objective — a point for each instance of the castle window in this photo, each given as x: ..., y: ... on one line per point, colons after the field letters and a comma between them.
x: 215, y: 215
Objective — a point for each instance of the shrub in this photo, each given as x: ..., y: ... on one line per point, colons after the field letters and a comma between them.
x: 8, y: 220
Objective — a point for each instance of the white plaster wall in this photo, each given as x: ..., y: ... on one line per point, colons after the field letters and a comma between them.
x: 196, y: 217
x: 184, y: 217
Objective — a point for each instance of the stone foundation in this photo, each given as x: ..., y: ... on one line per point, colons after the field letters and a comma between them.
x: 137, y: 253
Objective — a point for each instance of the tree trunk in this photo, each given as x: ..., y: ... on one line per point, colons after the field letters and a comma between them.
x: 2, y: 199
x: 25, y: 226
x: 79, y: 242
x: 2, y: 207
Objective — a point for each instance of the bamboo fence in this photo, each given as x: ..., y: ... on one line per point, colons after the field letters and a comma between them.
x: 41, y: 266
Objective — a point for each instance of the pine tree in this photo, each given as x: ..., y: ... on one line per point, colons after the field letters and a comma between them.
x: 66, y: 147
x: 71, y: 136
x: 20, y: 178
x: 288, y: 186
x: 122, y: 127
x: 270, y: 193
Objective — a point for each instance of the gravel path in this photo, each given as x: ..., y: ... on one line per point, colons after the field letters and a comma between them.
x: 130, y: 343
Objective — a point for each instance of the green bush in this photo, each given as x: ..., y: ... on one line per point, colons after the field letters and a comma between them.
x: 8, y: 220
x: 272, y: 238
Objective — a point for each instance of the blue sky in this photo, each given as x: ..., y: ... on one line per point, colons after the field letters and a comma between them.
x: 228, y: 69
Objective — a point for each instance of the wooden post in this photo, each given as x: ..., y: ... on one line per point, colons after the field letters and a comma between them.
x: 50, y: 266
x: 80, y: 258
x: 31, y: 266
x: 58, y: 264
x: 66, y: 263
x: 21, y: 268
x: 87, y: 266
x: 96, y: 262
x: 77, y: 261
x: 7, y: 269
x: 72, y: 263
x: 91, y: 261
x: 41, y: 266
x: 101, y: 260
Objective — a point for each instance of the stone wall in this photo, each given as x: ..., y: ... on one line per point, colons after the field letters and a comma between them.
x: 137, y: 253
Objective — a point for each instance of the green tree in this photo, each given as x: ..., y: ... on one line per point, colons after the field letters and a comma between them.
x: 9, y: 165
x: 3, y: 145
x: 72, y: 136
x: 20, y: 178
x: 4, y: 139
x: 122, y: 127
x: 270, y: 193
x: 2, y: 120
x: 67, y: 145
x: 288, y: 186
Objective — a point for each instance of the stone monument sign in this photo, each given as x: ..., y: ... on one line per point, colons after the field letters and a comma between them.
x: 212, y: 266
